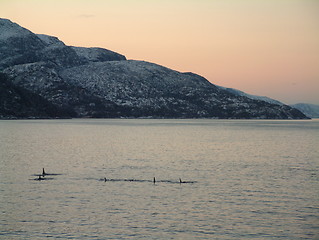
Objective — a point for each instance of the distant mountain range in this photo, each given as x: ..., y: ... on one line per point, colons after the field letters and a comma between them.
x: 41, y: 77
x: 259, y: 98
x: 310, y: 110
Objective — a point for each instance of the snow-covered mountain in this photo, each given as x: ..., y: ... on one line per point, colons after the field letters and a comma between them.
x: 95, y: 82
x: 255, y: 97
x: 310, y: 110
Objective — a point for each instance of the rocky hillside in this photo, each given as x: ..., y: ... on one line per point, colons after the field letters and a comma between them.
x: 95, y: 82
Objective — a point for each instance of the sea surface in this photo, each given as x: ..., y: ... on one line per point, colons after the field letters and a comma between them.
x: 214, y: 179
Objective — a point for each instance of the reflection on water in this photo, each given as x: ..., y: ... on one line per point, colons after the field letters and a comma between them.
x: 241, y: 179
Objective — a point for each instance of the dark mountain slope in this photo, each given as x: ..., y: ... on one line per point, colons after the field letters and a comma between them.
x: 17, y: 102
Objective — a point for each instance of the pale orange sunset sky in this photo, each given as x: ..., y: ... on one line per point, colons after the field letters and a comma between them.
x: 262, y: 47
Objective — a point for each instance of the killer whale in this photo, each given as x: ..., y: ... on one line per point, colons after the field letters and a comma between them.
x: 41, y: 178
x: 154, y: 180
x: 44, y: 173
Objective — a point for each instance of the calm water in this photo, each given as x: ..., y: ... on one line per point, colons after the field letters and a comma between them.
x: 252, y: 179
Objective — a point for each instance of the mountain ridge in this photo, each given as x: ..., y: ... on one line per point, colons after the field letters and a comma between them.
x: 310, y: 110
x: 96, y: 82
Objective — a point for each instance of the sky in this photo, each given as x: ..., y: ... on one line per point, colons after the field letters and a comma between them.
x: 262, y: 47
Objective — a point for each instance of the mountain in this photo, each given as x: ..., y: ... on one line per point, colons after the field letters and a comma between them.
x: 95, y: 82
x: 17, y: 102
x: 259, y: 98
x: 310, y: 110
